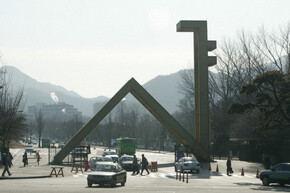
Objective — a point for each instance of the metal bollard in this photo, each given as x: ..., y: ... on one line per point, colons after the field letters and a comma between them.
x: 183, y: 177
x: 187, y: 177
x: 176, y: 175
x: 179, y: 175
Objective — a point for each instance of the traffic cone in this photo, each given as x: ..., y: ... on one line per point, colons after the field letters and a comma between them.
x: 217, y: 168
x: 257, y: 175
x: 242, y: 174
x: 209, y: 168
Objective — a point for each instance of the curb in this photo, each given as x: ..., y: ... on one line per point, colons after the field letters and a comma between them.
x: 28, y: 177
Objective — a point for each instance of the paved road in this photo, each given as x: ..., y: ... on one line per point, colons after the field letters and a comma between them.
x: 161, y: 181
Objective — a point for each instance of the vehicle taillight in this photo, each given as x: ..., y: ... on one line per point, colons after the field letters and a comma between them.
x: 198, y: 164
x: 185, y: 164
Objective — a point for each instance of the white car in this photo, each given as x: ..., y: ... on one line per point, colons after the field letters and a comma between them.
x: 94, y: 161
x: 187, y: 163
x: 29, y: 148
x: 112, y: 155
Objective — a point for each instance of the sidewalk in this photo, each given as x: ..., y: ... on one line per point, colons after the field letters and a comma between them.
x: 32, y: 170
x: 28, y: 172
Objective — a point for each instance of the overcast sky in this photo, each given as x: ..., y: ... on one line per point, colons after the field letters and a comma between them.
x: 94, y: 47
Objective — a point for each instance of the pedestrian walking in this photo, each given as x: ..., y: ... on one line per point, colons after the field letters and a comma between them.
x: 135, y: 165
x: 144, y: 163
x: 11, y: 158
x: 37, y: 157
x: 231, y: 155
x: 229, y: 166
x: 6, y: 161
x: 24, y: 159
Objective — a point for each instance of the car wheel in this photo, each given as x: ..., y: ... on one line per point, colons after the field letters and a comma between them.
x: 113, y: 183
x: 265, y: 181
x: 123, y: 183
x: 181, y: 170
x: 281, y: 183
x: 197, y: 171
x: 90, y: 184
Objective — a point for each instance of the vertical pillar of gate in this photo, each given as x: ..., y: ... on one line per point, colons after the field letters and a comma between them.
x: 201, y: 63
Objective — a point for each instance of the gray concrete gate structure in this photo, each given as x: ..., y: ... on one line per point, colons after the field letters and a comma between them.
x: 201, y: 63
x: 199, y: 146
x: 152, y: 106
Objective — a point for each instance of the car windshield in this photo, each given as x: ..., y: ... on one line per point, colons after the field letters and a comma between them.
x: 104, y: 159
x: 106, y: 168
x: 29, y: 146
x: 126, y: 158
x: 109, y: 153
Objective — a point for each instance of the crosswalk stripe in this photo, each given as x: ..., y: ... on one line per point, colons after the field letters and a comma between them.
x: 173, y: 175
x: 152, y: 175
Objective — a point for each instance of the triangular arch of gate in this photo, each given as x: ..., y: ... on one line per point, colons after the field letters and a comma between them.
x: 152, y: 106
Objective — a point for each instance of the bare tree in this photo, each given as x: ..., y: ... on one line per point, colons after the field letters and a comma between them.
x: 240, y: 60
x: 12, y: 120
x: 132, y: 119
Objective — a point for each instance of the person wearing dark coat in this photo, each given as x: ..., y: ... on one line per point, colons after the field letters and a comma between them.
x: 144, y: 163
x: 7, y: 163
x: 135, y: 165
x: 229, y: 166
x: 24, y: 159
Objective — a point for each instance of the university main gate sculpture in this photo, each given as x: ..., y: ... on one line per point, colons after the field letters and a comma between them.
x: 199, y: 146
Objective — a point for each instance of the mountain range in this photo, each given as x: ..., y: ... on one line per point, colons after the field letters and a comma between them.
x: 163, y: 88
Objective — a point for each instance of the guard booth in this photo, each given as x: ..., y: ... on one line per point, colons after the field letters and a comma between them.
x: 80, y: 154
x: 179, y: 152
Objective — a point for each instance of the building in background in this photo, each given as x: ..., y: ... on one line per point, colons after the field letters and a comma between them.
x: 58, y: 111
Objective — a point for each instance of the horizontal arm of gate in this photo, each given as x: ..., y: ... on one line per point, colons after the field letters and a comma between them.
x: 168, y: 121
x: 92, y: 123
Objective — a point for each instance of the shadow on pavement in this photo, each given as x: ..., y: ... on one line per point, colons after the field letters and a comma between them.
x: 276, y: 187
x: 104, y: 186
x: 26, y: 177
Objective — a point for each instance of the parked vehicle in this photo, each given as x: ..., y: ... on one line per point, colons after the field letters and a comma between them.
x: 94, y: 161
x: 34, y: 142
x: 187, y: 163
x: 29, y: 148
x: 106, y: 173
x: 126, y: 161
x: 280, y: 173
x: 61, y: 144
x: 112, y: 155
x: 126, y: 145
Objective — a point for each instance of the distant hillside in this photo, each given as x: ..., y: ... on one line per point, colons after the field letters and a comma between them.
x: 163, y: 88
x: 39, y: 92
